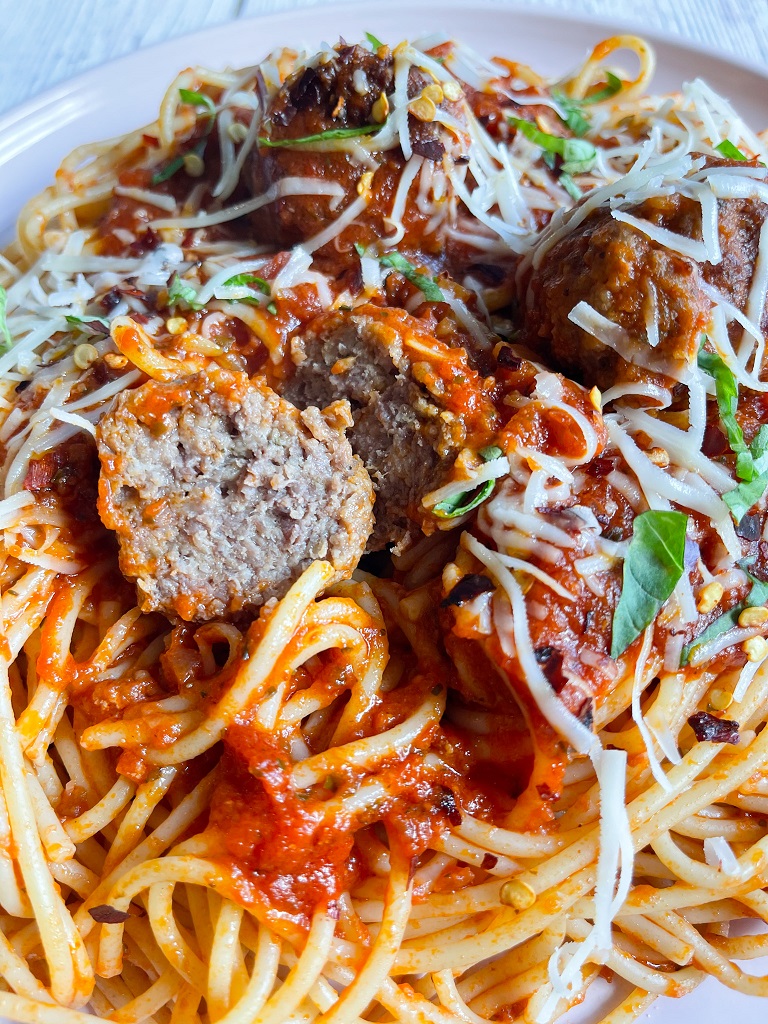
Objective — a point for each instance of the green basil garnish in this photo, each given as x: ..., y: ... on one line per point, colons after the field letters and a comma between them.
x: 332, y: 133
x: 653, y: 565
x: 95, y: 325
x: 577, y: 154
x: 181, y: 293
x: 375, y: 43
x: 613, y: 84
x: 6, y: 334
x: 462, y: 503
x: 751, y: 460
x: 572, y: 114
x: 168, y: 171
x: 243, y: 280
x: 727, y: 393
x: 758, y: 595
x: 746, y: 494
x: 727, y: 149
x: 198, y: 99
x: 427, y: 285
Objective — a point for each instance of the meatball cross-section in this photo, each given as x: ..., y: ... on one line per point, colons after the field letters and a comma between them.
x: 221, y: 493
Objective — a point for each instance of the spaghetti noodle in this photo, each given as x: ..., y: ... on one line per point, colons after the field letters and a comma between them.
x: 524, y: 748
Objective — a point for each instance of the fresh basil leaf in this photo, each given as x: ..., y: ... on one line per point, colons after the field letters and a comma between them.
x: 181, y: 293
x: 746, y: 494
x: 490, y: 453
x: 432, y: 292
x: 572, y: 114
x: 332, y: 133
x: 727, y: 392
x: 96, y: 325
x: 198, y: 99
x: 243, y: 281
x: 652, y: 567
x: 462, y: 503
x: 613, y: 84
x: 758, y: 595
x: 375, y: 43
x: 6, y: 334
x: 759, y: 449
x: 452, y: 508
x: 727, y: 149
x: 570, y: 186
x: 578, y: 152
x: 168, y: 171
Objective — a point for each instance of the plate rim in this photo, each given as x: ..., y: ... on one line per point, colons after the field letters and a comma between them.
x: 44, y: 103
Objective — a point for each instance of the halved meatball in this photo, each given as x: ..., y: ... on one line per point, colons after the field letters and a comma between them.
x: 401, y: 430
x: 632, y: 280
x: 346, y: 88
x: 221, y: 493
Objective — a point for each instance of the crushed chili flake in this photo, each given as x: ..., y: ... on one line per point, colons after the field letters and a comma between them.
x: 104, y: 914
x: 709, y: 729
x: 468, y: 588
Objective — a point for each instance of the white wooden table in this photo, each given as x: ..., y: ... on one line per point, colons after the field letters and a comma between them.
x: 43, y: 42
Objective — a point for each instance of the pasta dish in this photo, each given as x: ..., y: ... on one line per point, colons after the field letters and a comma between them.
x: 384, y: 579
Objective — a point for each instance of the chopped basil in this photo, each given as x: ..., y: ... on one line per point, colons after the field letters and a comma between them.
x: 198, y: 99
x: 727, y: 392
x: 462, y: 503
x: 375, y: 43
x: 652, y: 567
x: 757, y: 596
x: 490, y: 453
x: 613, y: 84
x: 332, y: 133
x: 432, y: 292
x: 577, y: 154
x: 177, y: 163
x: 746, y: 494
x: 570, y: 186
x: 183, y: 294
x: 168, y: 171
x: 243, y: 280
x: 573, y: 110
x: 89, y: 324
x: 6, y: 334
x: 571, y: 115
x: 727, y: 149
x: 751, y: 460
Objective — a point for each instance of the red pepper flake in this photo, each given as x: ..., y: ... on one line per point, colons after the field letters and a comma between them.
x: 709, y: 729
x: 104, y: 914
x: 468, y: 588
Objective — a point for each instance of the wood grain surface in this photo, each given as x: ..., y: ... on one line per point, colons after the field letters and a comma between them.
x: 46, y: 41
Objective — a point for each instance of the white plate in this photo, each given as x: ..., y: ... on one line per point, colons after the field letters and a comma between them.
x: 125, y: 94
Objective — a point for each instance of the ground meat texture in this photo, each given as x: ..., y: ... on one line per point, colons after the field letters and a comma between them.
x: 339, y: 91
x: 398, y: 430
x: 221, y: 493
x: 625, y: 276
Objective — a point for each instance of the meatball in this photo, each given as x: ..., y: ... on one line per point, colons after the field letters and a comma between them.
x: 348, y: 87
x: 221, y: 493
x: 632, y: 280
x: 402, y: 435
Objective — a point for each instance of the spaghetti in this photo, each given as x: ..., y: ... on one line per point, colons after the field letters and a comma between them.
x: 524, y: 748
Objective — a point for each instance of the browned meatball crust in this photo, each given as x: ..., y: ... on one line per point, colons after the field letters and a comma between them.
x: 629, y: 279
x: 349, y: 87
x: 398, y: 432
x: 221, y: 493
